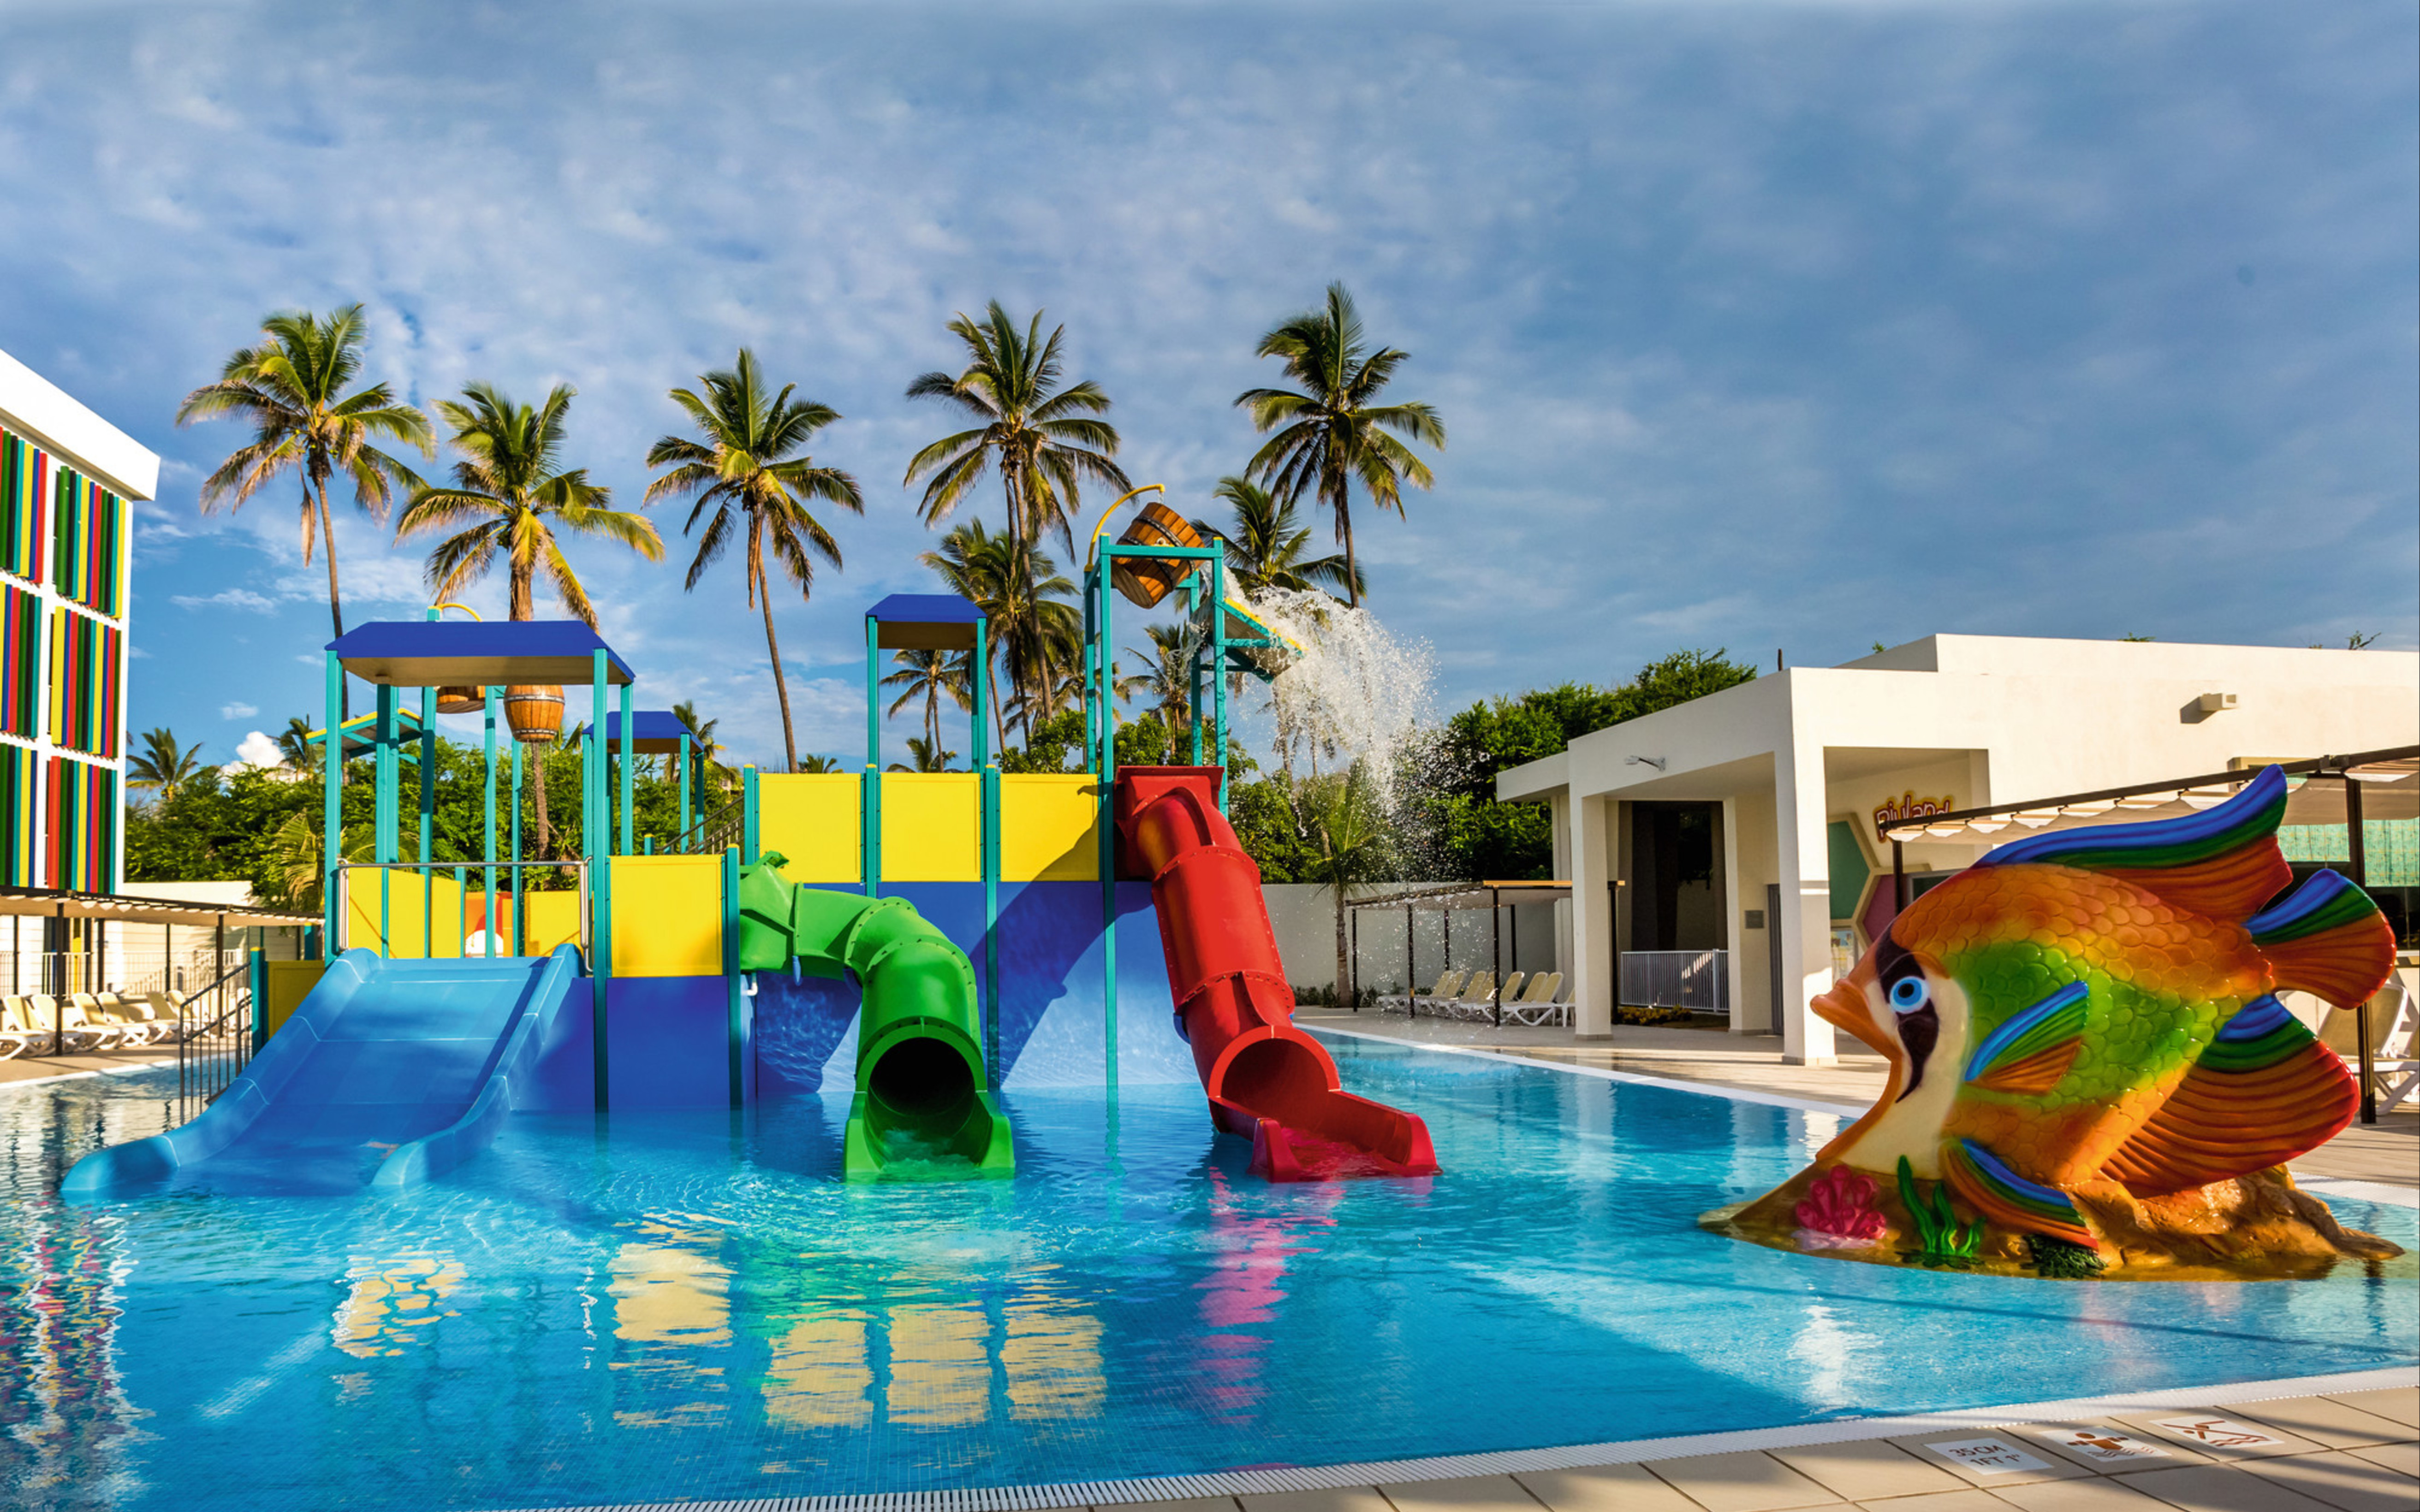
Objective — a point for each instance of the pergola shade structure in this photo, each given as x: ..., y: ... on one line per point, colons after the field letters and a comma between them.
x: 456, y: 652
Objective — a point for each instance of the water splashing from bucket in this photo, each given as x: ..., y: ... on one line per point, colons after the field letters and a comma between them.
x: 1357, y: 693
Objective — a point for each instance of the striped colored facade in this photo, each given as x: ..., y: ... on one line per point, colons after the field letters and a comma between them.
x: 64, y: 559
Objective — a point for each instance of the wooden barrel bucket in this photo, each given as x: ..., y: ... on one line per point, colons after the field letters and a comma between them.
x: 535, y: 713
x: 1144, y: 580
x: 461, y: 699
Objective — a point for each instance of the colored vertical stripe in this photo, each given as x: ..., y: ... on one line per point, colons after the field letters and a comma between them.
x: 21, y: 663
x: 84, y: 683
x: 24, y: 494
x: 80, y: 849
x: 88, y: 543
x: 19, y: 800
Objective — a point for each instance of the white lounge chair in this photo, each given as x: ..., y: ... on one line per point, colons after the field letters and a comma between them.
x: 2395, y: 1025
x: 57, y: 1020
x: 1448, y: 985
x: 1541, y: 1003
x: 1477, y: 990
x: 1483, y: 1009
x: 135, y: 1022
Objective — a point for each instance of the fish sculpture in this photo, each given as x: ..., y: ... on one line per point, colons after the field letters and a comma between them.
x: 2099, y: 1004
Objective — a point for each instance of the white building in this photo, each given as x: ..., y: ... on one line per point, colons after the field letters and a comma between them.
x: 67, y: 479
x: 1746, y: 822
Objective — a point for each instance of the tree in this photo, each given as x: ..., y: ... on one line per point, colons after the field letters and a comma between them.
x: 929, y: 756
x: 1329, y: 433
x: 932, y: 675
x: 290, y: 388
x: 1036, y: 632
x: 1045, y: 440
x: 294, y: 743
x: 1166, y: 678
x: 1350, y: 846
x: 752, y: 466
x: 511, y: 494
x: 1265, y: 543
x: 819, y: 763
x: 161, y: 765
x: 701, y: 734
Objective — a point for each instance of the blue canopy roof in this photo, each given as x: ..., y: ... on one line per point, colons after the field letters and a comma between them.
x: 925, y: 621
x: 455, y: 652
x: 653, y: 731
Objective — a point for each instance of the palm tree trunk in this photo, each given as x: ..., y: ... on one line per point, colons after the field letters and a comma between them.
x: 1343, y: 956
x: 336, y: 601
x: 773, y: 648
x: 1344, y: 533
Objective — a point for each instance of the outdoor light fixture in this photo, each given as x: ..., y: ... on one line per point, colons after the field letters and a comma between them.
x: 2215, y: 702
x: 1656, y: 762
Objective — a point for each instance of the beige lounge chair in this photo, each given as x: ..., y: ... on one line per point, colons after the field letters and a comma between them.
x: 131, y: 1015
x: 57, y: 1020
x: 85, y: 1013
x: 1539, y: 1004
x: 1448, y: 985
x: 2394, y: 1027
x: 1475, y: 991
x: 15, y: 1037
x: 168, y: 1009
x: 1484, y: 1008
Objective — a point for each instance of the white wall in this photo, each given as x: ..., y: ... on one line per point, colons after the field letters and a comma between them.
x: 1303, y: 917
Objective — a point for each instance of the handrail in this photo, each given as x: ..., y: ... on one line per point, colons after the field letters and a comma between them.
x: 693, y: 841
x: 243, y: 1004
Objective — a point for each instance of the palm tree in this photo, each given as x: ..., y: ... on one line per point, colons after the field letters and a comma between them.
x: 296, y: 875
x: 294, y: 743
x: 1166, y: 679
x: 1265, y: 543
x: 928, y: 754
x: 163, y: 765
x: 750, y: 466
x: 932, y: 675
x: 291, y: 389
x: 1332, y: 433
x: 819, y: 763
x: 1044, y: 438
x: 1039, y: 634
x: 511, y: 494
x: 1342, y: 814
x: 701, y: 734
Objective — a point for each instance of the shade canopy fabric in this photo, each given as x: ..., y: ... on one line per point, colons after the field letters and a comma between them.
x: 1460, y: 895
x: 2389, y: 779
x: 456, y: 652
x: 653, y: 731
x: 925, y: 621
x: 43, y: 902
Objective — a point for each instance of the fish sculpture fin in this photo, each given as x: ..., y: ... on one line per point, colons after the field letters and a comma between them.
x: 2263, y: 1092
x: 2326, y: 938
x: 2009, y: 1199
x: 2031, y: 1050
x: 2221, y: 863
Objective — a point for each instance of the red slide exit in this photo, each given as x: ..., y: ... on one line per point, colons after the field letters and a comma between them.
x: 1267, y: 1080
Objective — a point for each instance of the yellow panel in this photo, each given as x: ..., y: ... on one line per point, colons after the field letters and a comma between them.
x: 289, y: 982
x: 932, y: 827
x: 548, y: 920
x: 812, y: 818
x: 667, y: 916
x: 408, y: 896
x: 1049, y: 827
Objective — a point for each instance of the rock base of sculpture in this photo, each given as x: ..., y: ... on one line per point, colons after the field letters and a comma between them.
x: 2259, y: 1227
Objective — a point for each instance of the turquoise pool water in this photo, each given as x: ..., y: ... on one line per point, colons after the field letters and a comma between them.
x: 690, y: 1305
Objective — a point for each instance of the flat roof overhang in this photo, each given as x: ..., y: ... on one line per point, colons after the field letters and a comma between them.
x: 461, y: 652
x: 2389, y: 780
x: 45, y: 902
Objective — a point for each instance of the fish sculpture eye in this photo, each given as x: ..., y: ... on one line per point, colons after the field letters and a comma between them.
x: 1910, y: 993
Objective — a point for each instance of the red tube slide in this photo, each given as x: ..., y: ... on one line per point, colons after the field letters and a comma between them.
x: 1267, y: 1080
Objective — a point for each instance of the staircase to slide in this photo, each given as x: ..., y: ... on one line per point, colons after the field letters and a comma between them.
x: 1267, y: 1079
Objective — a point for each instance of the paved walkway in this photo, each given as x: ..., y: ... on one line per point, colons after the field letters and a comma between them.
x: 2387, y: 1151
x: 34, y: 1069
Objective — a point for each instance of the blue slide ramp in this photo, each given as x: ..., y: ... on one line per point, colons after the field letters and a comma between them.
x: 390, y: 1073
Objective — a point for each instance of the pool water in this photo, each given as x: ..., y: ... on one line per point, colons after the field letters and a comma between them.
x: 693, y: 1305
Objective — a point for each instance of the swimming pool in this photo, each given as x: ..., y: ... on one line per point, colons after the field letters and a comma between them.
x: 693, y: 1306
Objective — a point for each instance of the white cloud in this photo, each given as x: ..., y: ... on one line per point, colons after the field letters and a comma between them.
x: 236, y: 711
x: 242, y: 599
x: 258, y: 749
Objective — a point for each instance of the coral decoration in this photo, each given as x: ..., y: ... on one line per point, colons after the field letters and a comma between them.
x: 1840, y: 1207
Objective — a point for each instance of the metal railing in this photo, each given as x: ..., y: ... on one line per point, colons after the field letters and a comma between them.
x: 714, y: 832
x: 1697, y: 979
x: 501, y: 909
x: 213, y: 1041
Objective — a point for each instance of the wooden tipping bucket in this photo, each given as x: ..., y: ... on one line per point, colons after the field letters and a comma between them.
x: 461, y: 699
x: 535, y: 713
x: 1144, y: 580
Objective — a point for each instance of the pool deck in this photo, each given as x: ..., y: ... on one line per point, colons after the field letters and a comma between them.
x: 2386, y: 1152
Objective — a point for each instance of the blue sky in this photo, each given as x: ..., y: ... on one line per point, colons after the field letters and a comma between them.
x: 1792, y: 325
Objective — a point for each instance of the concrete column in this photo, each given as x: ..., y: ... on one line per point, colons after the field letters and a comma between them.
x: 1804, y: 934
x: 1592, y: 918
x: 1734, y: 920
x: 1560, y: 805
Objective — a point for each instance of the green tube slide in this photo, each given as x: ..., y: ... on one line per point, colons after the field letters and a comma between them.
x: 923, y: 1110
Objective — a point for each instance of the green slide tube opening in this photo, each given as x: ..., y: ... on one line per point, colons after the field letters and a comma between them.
x: 923, y: 1110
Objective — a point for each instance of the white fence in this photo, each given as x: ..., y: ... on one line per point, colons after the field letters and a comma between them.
x: 1699, y: 980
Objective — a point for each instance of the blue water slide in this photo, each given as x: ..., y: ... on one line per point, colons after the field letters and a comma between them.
x: 389, y: 1073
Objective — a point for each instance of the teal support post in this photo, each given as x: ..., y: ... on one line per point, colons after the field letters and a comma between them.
x: 734, y: 990
x: 332, y: 822
x: 490, y: 922
x: 384, y: 840
x: 429, y: 819
x: 990, y: 781
x: 629, y: 766
x: 687, y: 755
x: 518, y: 941
x: 596, y: 842
x: 1218, y: 675
x: 870, y: 808
x: 1109, y: 828
x: 257, y: 978
x: 750, y: 851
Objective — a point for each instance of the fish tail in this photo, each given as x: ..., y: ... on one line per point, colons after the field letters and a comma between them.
x: 2263, y: 1092
x: 2009, y: 1199
x: 2326, y: 938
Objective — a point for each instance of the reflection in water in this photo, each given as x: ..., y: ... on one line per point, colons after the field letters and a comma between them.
x: 1240, y: 1296
x: 941, y: 1371
x: 1052, y: 1357
x: 390, y: 1302
x: 672, y: 1309
x: 818, y: 1377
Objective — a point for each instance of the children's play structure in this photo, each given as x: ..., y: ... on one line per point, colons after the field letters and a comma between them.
x: 2088, y: 1053
x: 933, y: 939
